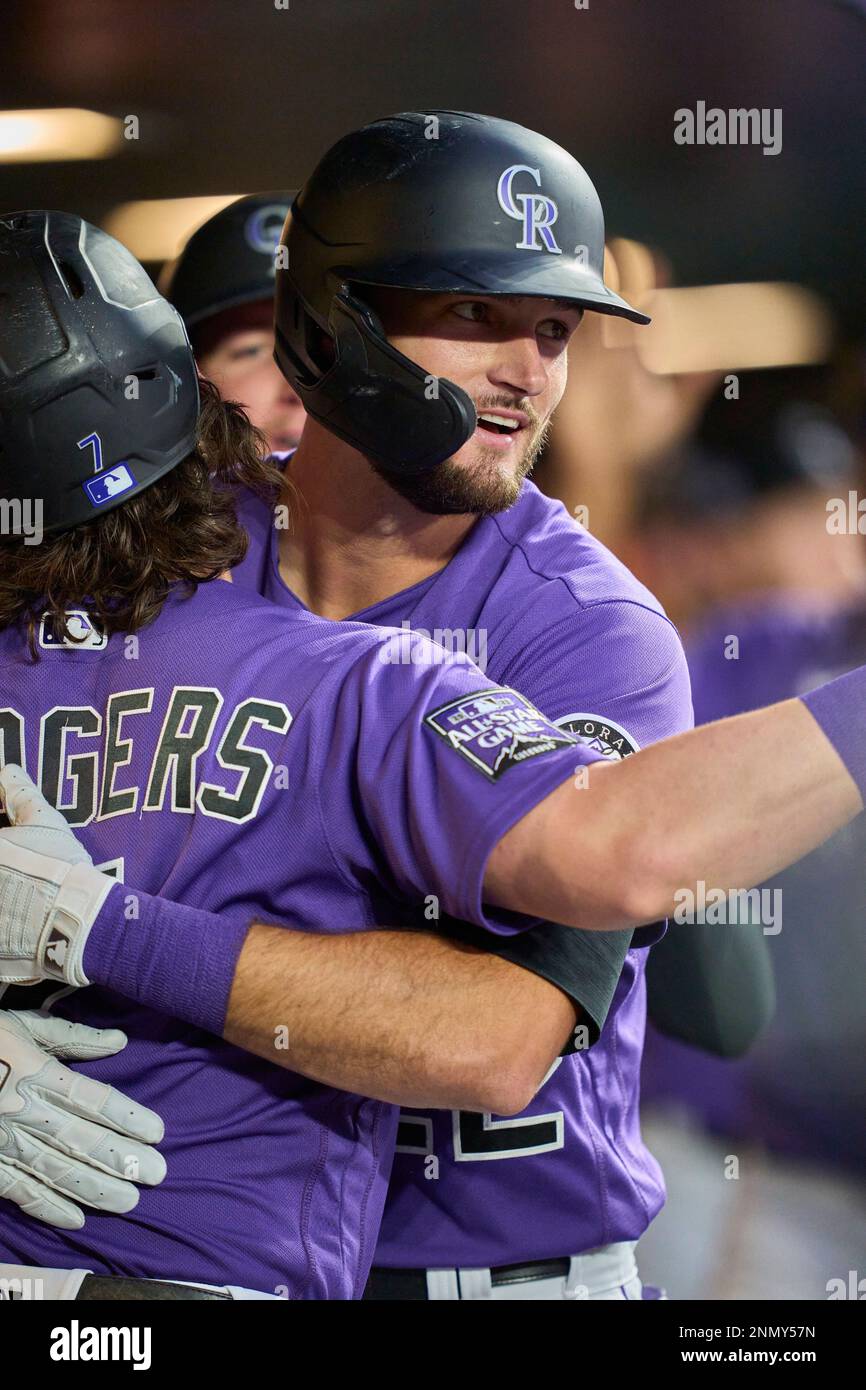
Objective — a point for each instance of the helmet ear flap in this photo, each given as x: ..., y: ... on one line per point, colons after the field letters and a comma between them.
x: 303, y: 350
x: 308, y: 347
x: 319, y: 343
x: 372, y: 396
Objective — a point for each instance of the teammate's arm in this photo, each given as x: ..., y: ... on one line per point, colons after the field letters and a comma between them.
x: 412, y: 1019
x: 401, y: 1016
x: 729, y: 803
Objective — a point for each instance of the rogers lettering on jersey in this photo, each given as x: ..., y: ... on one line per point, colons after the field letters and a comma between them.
x: 88, y: 748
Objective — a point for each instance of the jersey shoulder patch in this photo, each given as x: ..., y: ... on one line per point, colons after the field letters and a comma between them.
x: 495, y: 729
x: 602, y: 735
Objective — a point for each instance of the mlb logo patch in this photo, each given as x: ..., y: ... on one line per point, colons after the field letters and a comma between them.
x: 88, y: 636
x: 496, y: 729
x: 106, y: 486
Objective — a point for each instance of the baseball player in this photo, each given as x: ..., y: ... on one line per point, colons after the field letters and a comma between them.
x: 222, y: 285
x: 781, y: 759
x: 474, y: 211
x: 57, y: 389
x: 101, y: 431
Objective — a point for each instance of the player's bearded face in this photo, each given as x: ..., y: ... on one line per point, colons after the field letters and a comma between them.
x: 509, y: 355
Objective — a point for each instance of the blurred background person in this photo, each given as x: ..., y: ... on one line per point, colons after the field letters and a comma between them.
x: 222, y: 285
x: 765, y: 1157
x: 739, y: 512
x: 723, y: 508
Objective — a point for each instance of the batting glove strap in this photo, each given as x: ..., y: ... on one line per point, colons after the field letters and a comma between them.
x: 47, y: 908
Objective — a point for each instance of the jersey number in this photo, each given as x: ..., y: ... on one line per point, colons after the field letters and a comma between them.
x: 479, y: 1137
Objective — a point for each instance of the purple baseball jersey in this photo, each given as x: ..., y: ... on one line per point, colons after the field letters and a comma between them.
x: 802, y: 1088
x: 260, y: 763
x: 543, y: 606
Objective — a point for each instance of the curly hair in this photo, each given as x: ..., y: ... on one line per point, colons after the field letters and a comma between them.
x: 183, y: 530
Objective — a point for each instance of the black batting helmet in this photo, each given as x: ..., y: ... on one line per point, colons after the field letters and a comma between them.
x: 98, y: 387
x: 446, y: 201
x: 229, y: 260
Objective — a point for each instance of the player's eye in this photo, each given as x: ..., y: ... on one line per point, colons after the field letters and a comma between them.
x: 250, y: 350
x: 473, y: 310
x: 556, y: 329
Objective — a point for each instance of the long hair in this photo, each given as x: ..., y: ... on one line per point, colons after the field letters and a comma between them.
x: 183, y: 530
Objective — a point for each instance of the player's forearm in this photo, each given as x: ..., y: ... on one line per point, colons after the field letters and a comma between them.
x: 728, y: 804
x: 408, y: 1018
x: 733, y: 803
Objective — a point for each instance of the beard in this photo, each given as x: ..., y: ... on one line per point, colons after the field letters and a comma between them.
x: 452, y: 489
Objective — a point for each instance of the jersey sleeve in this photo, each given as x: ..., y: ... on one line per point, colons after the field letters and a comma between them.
x: 441, y: 763
x: 615, y: 673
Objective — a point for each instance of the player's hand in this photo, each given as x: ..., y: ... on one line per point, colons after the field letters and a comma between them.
x: 49, y: 890
x: 65, y: 1138
x: 34, y: 823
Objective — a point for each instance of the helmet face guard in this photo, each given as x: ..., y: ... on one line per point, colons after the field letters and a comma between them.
x: 449, y: 203
x: 98, y: 388
x: 409, y: 419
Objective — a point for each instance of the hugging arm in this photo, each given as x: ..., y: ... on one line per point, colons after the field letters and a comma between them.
x: 730, y: 803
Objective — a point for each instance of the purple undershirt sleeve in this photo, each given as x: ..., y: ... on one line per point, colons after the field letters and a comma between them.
x: 170, y: 957
x: 839, y: 708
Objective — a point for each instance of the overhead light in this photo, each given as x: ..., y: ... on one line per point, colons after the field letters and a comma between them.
x: 59, y: 133
x: 156, y: 228
x: 716, y: 328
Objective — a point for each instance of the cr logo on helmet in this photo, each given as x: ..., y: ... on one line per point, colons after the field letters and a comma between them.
x: 537, y: 212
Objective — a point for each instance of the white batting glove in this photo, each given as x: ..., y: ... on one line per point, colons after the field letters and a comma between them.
x: 65, y: 1138
x: 50, y: 893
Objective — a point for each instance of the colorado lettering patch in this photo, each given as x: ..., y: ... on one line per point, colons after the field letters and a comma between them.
x: 496, y: 729
x: 602, y: 735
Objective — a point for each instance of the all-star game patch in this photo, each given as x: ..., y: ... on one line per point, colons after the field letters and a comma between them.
x: 496, y: 729
x: 602, y: 735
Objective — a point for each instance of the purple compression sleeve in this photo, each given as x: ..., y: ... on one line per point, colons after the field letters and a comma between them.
x: 839, y: 707
x: 166, y: 955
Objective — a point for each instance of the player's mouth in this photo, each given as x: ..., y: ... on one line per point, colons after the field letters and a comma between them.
x: 501, y: 427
